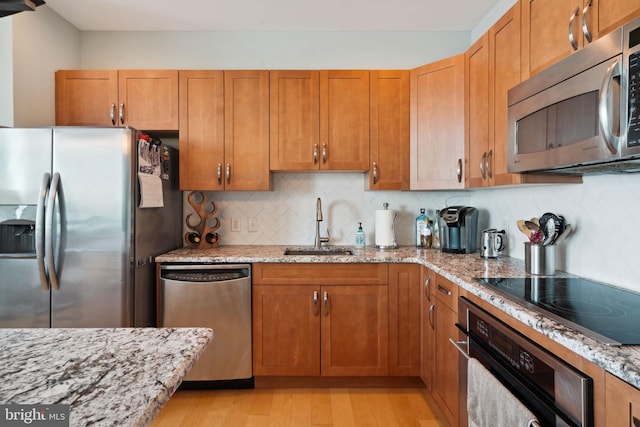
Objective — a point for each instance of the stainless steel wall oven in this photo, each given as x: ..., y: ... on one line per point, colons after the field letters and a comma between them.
x: 556, y: 393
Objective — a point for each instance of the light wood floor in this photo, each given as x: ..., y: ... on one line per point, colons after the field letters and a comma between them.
x: 355, y: 407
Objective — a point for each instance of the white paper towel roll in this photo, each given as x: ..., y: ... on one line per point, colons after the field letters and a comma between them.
x: 385, y: 229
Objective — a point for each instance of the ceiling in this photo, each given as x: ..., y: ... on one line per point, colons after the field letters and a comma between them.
x: 273, y: 15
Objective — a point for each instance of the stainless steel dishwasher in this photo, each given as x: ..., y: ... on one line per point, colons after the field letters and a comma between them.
x: 217, y: 296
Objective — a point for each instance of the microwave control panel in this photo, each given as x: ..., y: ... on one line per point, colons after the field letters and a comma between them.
x: 633, y: 131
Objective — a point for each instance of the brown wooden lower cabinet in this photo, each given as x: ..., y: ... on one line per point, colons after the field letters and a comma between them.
x: 622, y: 405
x: 303, y: 328
x: 445, y: 388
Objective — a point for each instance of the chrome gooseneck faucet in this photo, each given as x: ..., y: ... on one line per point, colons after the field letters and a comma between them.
x: 320, y: 240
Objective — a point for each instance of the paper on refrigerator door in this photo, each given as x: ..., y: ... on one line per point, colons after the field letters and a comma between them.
x: 150, y: 191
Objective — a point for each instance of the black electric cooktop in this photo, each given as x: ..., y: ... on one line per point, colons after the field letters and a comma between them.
x: 608, y: 314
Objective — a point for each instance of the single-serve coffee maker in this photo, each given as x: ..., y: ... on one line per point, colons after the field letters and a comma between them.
x: 458, y: 229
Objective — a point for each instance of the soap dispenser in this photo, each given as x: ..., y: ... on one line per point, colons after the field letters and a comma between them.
x: 361, y: 237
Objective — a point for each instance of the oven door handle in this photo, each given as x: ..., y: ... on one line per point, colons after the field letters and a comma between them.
x: 458, y: 345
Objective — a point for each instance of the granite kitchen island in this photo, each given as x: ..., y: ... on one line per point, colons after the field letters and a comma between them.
x: 108, y: 377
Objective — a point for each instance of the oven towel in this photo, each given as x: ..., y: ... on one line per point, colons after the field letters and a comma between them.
x: 490, y: 404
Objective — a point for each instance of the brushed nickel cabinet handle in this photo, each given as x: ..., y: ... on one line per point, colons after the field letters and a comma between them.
x: 488, y: 164
x: 585, y: 23
x: 121, y: 113
x: 431, y: 317
x: 315, y: 154
x: 427, y: 288
x: 228, y: 173
x: 113, y: 114
x: 315, y: 303
x: 324, y: 153
x: 572, y: 39
x: 375, y: 173
x: 325, y: 298
x: 483, y: 162
x: 459, y: 170
x: 444, y: 291
x: 219, y: 173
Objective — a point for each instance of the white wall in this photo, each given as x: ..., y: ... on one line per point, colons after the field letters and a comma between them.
x: 43, y: 42
x: 6, y: 72
x: 268, y: 50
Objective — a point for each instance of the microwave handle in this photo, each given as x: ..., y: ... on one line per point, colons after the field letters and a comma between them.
x: 612, y: 141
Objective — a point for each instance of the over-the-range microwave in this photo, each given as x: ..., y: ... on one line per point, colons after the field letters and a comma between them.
x: 582, y: 114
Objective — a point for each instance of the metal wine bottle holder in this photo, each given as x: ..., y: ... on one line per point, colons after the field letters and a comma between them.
x: 205, y: 210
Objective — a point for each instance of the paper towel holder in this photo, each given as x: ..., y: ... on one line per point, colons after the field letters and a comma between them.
x: 385, y: 231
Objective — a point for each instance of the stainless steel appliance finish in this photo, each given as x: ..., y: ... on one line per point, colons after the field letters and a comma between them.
x: 217, y: 296
x: 581, y: 114
x: 459, y: 229
x: 558, y: 394
x: 88, y: 262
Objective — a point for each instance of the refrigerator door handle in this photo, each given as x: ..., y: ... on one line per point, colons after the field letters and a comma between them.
x: 48, y: 231
x: 42, y: 197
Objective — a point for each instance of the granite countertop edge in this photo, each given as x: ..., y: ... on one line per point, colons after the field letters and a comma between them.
x: 461, y: 269
x: 108, y: 376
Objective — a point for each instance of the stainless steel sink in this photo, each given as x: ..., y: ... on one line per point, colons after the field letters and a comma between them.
x: 334, y: 251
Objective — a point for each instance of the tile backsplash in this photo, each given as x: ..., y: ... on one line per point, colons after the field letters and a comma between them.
x: 603, y: 209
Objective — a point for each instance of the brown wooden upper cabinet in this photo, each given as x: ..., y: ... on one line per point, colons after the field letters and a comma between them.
x: 144, y: 99
x: 437, y: 125
x: 492, y: 67
x: 389, y: 130
x: 553, y: 29
x: 224, y: 130
x: 319, y: 120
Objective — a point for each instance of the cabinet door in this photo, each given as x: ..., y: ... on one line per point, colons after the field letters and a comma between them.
x: 545, y: 37
x: 355, y: 330
x: 477, y: 114
x: 389, y: 130
x: 201, y: 130
x: 622, y: 403
x: 148, y: 99
x: 427, y: 328
x: 86, y: 98
x: 246, y: 130
x: 286, y: 330
x: 344, y: 120
x: 404, y: 319
x: 294, y: 120
x: 504, y: 72
x: 437, y: 125
x: 610, y: 14
x: 445, y: 385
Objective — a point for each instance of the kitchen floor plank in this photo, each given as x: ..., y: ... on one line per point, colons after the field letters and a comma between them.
x: 301, y: 407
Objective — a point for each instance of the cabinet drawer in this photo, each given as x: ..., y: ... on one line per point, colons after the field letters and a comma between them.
x: 320, y: 274
x: 446, y: 292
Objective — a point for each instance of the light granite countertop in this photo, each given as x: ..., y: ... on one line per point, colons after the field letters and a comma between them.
x: 623, y: 361
x: 109, y: 377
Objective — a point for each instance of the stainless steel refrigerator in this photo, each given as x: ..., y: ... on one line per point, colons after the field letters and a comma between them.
x: 76, y: 248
